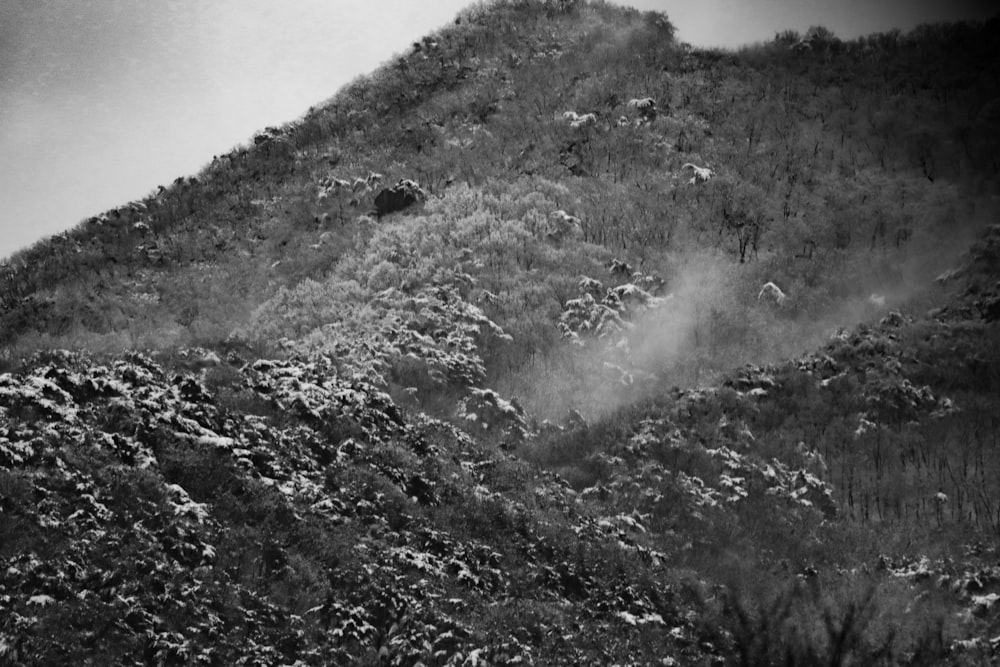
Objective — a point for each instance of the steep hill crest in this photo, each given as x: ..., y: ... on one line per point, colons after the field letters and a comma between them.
x: 552, y: 341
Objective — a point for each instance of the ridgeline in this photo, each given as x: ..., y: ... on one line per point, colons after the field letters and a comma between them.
x: 552, y: 341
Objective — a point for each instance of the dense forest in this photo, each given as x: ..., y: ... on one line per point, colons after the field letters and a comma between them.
x: 552, y: 341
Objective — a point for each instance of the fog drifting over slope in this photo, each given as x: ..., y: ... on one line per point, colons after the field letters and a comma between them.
x: 690, y: 338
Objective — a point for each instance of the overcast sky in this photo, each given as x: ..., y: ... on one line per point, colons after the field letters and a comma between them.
x: 103, y: 100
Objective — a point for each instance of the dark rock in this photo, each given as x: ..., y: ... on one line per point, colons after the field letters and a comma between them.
x: 405, y: 193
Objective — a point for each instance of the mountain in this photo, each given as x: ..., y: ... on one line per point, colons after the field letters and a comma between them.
x: 552, y: 341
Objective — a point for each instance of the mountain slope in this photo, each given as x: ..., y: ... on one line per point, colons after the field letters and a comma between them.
x: 468, y: 365
x: 484, y: 106
x: 287, y: 511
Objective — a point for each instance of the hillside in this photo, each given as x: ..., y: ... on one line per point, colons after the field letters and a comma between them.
x: 552, y: 341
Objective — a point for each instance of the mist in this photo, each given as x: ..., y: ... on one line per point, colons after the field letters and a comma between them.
x: 709, y: 320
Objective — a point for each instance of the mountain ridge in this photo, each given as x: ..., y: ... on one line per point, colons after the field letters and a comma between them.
x: 546, y: 409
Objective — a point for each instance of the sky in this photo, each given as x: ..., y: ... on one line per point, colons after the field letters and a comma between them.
x: 103, y: 100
